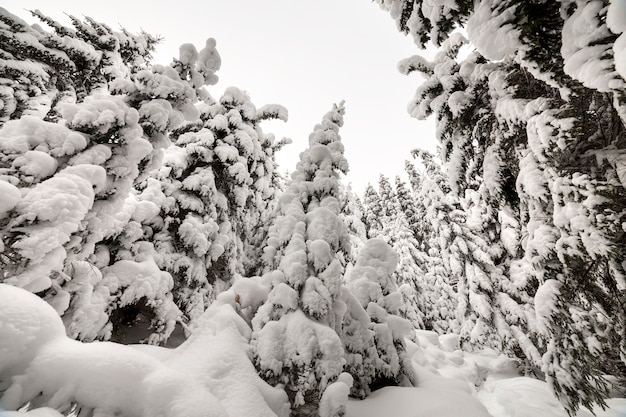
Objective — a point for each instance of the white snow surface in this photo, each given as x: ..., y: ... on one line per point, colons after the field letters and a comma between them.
x: 208, y: 375
x: 454, y: 383
x: 211, y: 374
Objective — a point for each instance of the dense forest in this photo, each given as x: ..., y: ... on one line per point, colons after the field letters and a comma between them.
x: 144, y: 210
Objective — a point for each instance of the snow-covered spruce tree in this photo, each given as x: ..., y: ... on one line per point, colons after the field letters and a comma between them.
x: 467, y: 256
x: 415, y: 179
x: 407, y: 205
x: 166, y: 98
x: 416, y: 213
x: 216, y: 186
x: 41, y: 68
x: 425, y: 21
x: 373, y: 283
x: 372, y: 212
x: 475, y: 147
x: 390, y: 207
x: 439, y: 221
x: 571, y: 256
x: 553, y: 75
x: 295, y: 332
x: 311, y: 327
x: 410, y: 273
x: 77, y: 168
x: 352, y: 214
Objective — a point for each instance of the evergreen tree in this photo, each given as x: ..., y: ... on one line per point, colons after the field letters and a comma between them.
x: 66, y: 64
x: 481, y: 187
x: 372, y: 281
x: 372, y: 212
x: 441, y: 265
x: 416, y: 221
x: 410, y: 274
x: 75, y: 169
x: 295, y: 335
x: 352, y: 216
x: 115, y: 257
x: 530, y: 125
x: 425, y: 21
x: 311, y: 327
x: 215, y: 188
x: 408, y: 205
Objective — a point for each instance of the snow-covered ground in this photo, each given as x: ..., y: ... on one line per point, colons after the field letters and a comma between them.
x: 211, y: 374
x: 454, y: 383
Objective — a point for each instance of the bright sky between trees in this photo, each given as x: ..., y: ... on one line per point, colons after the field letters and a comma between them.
x: 305, y: 55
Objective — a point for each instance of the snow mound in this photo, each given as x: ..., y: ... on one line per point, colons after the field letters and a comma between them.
x: 37, y: 412
x: 528, y: 397
x: 417, y: 402
x: 27, y: 324
x: 210, y: 375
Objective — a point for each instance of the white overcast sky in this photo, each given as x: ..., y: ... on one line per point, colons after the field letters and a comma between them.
x: 303, y: 54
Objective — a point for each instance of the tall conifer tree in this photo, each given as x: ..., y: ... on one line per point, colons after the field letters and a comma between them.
x: 536, y: 114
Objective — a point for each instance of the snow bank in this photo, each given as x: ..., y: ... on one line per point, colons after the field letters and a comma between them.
x: 417, y: 402
x: 210, y: 375
x: 528, y: 397
x: 217, y: 356
x: 37, y: 412
x: 27, y: 323
x: 456, y: 383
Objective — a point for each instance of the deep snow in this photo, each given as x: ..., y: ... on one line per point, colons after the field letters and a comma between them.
x: 211, y: 373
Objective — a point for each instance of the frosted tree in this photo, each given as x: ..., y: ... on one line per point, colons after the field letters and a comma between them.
x: 481, y: 187
x: 415, y: 178
x: 352, y: 214
x: 412, y: 262
x: 295, y: 336
x: 75, y: 154
x: 41, y: 68
x: 442, y: 271
x: 415, y: 214
x: 215, y: 189
x: 389, y: 207
x: 372, y: 212
x: 466, y: 255
x: 373, y: 283
x: 98, y: 131
x: 425, y: 21
x: 311, y: 327
x: 573, y: 302
x: 536, y: 114
x: 408, y: 205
